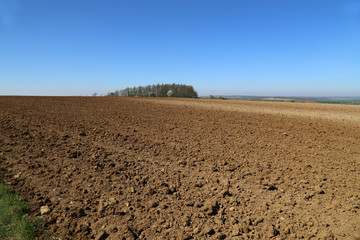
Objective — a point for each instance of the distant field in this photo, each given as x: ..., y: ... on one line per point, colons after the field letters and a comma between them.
x: 355, y: 101
x: 352, y: 101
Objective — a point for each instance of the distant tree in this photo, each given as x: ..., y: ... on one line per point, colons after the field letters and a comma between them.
x: 94, y: 94
x: 158, y: 90
x: 211, y: 96
x: 110, y: 94
x: 170, y: 93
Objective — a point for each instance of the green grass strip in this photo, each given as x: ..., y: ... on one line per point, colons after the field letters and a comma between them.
x: 13, y: 221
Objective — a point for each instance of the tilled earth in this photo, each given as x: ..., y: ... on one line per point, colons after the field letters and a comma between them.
x: 144, y: 168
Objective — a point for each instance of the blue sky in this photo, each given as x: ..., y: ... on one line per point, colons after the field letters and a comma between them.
x: 243, y: 47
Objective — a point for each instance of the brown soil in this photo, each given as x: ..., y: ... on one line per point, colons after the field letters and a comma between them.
x: 138, y: 168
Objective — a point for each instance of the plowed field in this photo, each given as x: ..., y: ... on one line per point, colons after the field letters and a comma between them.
x: 145, y: 168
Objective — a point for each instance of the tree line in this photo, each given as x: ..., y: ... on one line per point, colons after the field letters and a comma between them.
x: 158, y: 90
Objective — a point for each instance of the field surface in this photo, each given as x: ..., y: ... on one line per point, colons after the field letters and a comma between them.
x: 145, y: 168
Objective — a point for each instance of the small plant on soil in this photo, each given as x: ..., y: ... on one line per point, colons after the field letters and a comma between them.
x: 13, y: 221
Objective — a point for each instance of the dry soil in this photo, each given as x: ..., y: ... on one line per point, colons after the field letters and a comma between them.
x: 145, y: 168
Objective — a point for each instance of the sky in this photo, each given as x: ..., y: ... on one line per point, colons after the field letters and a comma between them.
x: 220, y: 47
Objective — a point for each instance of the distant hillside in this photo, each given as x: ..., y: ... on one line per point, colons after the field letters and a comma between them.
x: 330, y: 100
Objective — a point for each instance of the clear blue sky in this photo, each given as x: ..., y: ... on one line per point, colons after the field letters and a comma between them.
x: 245, y: 47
